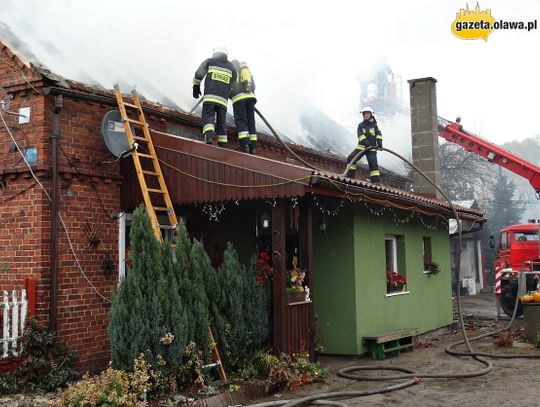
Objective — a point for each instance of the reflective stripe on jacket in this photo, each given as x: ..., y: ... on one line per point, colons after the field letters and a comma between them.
x: 368, y: 133
x: 238, y: 90
x: 220, y: 74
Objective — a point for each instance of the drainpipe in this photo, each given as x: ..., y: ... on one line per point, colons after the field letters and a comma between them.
x: 53, y: 321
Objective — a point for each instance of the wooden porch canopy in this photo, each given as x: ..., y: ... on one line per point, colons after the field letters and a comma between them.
x: 199, y: 173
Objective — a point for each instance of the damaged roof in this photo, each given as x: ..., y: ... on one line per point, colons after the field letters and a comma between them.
x: 200, y: 173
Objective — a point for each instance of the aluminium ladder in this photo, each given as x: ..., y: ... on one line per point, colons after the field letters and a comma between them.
x: 153, y: 187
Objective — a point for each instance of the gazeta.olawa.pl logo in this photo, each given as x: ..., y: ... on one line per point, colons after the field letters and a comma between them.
x: 473, y: 25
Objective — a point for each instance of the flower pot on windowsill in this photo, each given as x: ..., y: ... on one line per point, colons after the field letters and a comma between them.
x: 296, y: 297
x: 398, y: 289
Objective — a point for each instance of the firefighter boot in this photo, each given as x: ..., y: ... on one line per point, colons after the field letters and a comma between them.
x: 244, y: 145
x: 209, y: 137
x: 253, y: 144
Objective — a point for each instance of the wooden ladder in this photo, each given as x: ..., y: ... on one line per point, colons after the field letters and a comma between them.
x: 216, y: 360
x: 154, y: 189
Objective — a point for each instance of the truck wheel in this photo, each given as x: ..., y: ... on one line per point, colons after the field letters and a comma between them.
x: 508, y: 299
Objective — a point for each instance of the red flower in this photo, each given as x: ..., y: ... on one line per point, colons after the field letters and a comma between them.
x: 263, y: 270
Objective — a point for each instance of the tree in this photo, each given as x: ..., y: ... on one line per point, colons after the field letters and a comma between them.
x: 464, y: 175
x: 503, y: 210
x: 256, y: 309
x: 230, y: 308
x: 197, y: 299
x: 147, y: 314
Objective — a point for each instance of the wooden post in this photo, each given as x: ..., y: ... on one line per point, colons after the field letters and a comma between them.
x: 279, y: 292
x: 306, y: 260
x: 30, y: 284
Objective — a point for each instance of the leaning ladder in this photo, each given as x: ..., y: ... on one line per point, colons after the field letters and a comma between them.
x: 153, y: 187
x: 216, y: 359
x: 149, y: 167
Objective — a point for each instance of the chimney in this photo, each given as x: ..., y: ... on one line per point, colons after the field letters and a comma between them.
x: 425, y: 143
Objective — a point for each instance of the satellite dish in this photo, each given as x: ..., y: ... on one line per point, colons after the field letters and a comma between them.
x: 114, y: 133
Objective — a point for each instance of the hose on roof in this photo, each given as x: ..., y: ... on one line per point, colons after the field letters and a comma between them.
x: 285, y: 144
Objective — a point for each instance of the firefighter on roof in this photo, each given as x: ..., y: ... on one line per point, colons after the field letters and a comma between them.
x: 243, y: 100
x: 370, y: 139
x: 220, y: 74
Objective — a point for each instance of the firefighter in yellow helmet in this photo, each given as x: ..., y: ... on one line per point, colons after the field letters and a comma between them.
x: 370, y: 139
x: 243, y: 100
x: 218, y: 74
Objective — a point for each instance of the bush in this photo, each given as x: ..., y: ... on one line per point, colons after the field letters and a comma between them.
x: 113, y: 388
x: 47, y: 366
x: 147, y: 314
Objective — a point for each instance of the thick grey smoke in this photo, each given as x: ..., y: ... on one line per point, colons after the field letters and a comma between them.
x: 301, y: 53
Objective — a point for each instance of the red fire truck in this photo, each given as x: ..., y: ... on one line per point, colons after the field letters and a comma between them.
x: 518, y: 248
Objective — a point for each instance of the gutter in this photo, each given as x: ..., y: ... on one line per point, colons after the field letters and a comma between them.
x: 53, y: 316
x: 111, y: 101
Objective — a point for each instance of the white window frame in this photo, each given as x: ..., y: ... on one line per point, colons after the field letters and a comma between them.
x: 123, y: 219
x: 393, y: 239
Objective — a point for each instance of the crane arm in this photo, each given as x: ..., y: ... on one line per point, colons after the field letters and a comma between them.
x: 455, y: 133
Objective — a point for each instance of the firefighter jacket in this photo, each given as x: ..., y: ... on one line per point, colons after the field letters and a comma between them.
x: 369, y: 135
x: 244, y: 86
x: 220, y: 74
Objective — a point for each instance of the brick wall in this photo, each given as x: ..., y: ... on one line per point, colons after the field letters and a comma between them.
x: 89, y: 191
x: 89, y: 200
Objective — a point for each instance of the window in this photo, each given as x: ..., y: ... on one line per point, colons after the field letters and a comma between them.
x: 124, y: 228
x: 426, y: 243
x: 394, y: 248
x: 390, y: 248
x: 526, y: 236
x: 504, y: 241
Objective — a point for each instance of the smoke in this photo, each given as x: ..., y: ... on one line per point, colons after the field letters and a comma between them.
x: 301, y: 54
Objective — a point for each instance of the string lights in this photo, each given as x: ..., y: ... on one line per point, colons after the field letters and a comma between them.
x: 385, y: 211
x: 214, y: 210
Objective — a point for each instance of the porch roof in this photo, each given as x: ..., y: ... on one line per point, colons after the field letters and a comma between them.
x: 199, y: 173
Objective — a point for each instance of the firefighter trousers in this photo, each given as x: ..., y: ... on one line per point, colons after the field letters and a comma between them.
x: 214, y: 122
x: 244, y: 117
x: 371, y: 156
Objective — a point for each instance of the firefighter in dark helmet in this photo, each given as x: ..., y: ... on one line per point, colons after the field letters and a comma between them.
x: 220, y: 74
x: 370, y: 139
x: 243, y: 100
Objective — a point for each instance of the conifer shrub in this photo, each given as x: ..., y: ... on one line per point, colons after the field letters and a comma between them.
x: 147, y: 315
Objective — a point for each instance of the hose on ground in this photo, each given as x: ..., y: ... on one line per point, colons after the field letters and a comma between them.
x: 409, y: 376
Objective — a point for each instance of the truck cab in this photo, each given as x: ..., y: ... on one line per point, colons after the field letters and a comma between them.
x: 518, y: 250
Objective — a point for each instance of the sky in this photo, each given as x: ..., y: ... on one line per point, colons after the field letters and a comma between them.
x: 300, y: 53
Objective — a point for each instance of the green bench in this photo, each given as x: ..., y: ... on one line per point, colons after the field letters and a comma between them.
x: 390, y: 342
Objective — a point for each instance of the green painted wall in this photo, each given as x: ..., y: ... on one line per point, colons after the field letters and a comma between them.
x: 334, y: 279
x: 350, y: 278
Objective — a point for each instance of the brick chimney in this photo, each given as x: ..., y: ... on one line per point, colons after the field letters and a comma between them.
x: 425, y: 143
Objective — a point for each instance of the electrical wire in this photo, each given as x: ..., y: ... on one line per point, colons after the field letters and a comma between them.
x: 339, y: 185
x: 22, y: 191
x: 59, y: 214
x: 22, y: 73
x: 92, y: 184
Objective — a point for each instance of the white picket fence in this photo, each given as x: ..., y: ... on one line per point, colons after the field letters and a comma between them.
x: 13, y: 320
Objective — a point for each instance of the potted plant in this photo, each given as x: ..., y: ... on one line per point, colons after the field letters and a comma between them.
x: 432, y: 268
x: 295, y: 282
x: 395, y: 282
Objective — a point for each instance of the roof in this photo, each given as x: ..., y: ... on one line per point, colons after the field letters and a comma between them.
x: 199, y: 173
x: 524, y: 227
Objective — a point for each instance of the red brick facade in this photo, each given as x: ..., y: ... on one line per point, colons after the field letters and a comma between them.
x: 89, y: 185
